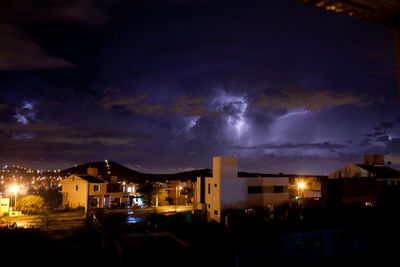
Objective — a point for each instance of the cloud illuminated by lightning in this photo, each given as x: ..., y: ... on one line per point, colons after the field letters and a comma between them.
x: 235, y: 107
x: 305, y: 111
x: 24, y: 113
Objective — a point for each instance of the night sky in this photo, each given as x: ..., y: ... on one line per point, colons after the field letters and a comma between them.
x: 163, y: 86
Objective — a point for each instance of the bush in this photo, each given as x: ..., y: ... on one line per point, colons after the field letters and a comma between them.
x: 52, y: 197
x: 32, y: 205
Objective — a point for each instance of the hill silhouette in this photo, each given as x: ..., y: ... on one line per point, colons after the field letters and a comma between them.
x: 111, y: 168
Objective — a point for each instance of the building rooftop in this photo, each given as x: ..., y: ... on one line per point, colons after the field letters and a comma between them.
x: 380, y: 171
x: 91, y: 179
x: 379, y: 11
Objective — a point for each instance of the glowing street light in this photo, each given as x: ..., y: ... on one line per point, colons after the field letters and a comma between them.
x: 178, y: 188
x: 300, y: 185
x: 14, y: 189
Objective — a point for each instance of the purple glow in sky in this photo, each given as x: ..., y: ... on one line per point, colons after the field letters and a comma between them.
x: 163, y: 86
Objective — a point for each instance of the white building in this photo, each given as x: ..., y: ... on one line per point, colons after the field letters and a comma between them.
x: 225, y: 190
x: 4, y: 205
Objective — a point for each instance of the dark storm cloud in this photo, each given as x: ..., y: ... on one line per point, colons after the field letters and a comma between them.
x: 324, y: 145
x: 382, y: 139
x: 293, y: 97
x: 365, y: 141
x: 89, y: 11
x: 297, y: 164
x: 137, y: 105
x: 392, y: 146
x: 19, y: 51
x: 63, y: 134
x: 188, y: 107
x: 384, y: 126
x: 381, y: 130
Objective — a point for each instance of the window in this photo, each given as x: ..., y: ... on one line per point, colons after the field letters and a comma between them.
x: 96, y: 188
x: 278, y: 189
x: 215, y: 185
x: 216, y: 212
x: 254, y: 189
x: 209, y: 188
x: 76, y: 188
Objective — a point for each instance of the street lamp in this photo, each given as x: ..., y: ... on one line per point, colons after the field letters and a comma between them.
x: 176, y: 190
x: 300, y: 185
x: 14, y: 189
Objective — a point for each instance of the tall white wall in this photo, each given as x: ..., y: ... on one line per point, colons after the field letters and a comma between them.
x: 269, y: 197
x: 233, y: 193
x: 225, y: 190
x: 225, y: 167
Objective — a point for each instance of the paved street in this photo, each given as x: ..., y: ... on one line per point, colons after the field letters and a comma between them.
x: 55, y: 221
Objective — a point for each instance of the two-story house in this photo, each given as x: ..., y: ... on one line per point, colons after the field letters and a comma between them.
x: 87, y: 191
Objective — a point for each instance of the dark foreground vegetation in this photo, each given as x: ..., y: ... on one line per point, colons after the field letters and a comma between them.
x: 294, y: 237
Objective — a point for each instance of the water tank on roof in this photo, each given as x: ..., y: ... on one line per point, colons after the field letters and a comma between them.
x: 374, y: 159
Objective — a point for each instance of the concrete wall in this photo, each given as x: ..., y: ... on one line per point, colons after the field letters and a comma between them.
x: 234, y: 193
x: 197, y: 191
x: 225, y: 190
x: 211, y: 198
x: 75, y: 198
x: 225, y: 167
x: 4, y: 205
x: 268, y: 196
